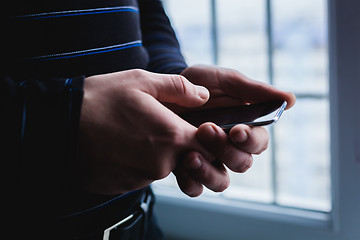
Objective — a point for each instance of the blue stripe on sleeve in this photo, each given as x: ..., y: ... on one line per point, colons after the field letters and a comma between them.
x: 86, y: 52
x: 79, y: 12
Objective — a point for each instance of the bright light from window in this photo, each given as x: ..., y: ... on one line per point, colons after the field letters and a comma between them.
x: 295, y: 171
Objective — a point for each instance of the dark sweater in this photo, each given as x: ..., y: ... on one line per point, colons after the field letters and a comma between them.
x: 49, y: 48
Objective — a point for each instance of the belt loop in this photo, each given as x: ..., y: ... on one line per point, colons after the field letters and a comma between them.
x: 107, y: 231
x: 145, y: 202
x: 144, y: 208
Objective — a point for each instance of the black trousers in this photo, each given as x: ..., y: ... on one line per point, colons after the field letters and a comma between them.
x: 129, y: 217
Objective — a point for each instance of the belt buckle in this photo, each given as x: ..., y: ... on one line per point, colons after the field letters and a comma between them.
x: 145, y: 202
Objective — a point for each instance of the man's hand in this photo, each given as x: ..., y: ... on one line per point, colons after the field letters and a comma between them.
x: 227, y: 88
x: 128, y: 138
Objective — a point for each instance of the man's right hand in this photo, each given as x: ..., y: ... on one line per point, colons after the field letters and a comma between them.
x: 127, y: 138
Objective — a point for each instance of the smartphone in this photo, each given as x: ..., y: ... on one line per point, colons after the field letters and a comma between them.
x: 259, y: 114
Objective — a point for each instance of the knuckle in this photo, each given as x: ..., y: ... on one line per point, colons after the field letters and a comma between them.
x: 244, y: 164
x: 159, y: 167
x: 247, y: 164
x: 262, y: 148
x: 222, y: 186
x: 216, y: 180
x: 192, y: 190
x: 226, y: 152
x: 159, y: 172
x: 179, y: 83
x: 137, y: 73
x: 188, y: 185
x: 258, y: 141
x: 175, y: 136
x: 263, y: 145
x: 164, y: 152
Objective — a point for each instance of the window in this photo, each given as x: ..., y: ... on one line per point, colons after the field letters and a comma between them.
x: 283, y: 43
x: 301, y: 187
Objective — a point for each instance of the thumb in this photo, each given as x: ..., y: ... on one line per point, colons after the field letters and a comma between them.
x: 177, y: 89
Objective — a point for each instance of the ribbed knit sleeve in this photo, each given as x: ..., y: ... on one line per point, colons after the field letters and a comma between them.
x: 159, y: 39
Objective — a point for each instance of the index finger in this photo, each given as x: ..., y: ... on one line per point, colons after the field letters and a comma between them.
x: 238, y: 85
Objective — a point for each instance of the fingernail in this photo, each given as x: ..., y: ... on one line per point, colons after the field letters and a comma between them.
x: 241, y: 136
x: 202, y: 92
x: 207, y: 134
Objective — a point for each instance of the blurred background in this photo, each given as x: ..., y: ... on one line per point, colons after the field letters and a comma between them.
x: 283, y: 43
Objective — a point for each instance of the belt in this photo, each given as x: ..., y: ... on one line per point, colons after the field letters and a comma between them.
x: 120, y: 218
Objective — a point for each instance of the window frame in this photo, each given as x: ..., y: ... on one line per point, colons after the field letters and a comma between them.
x: 211, y: 218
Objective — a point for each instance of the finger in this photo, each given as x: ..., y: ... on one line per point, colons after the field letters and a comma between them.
x: 251, y: 91
x: 253, y: 140
x: 216, y: 141
x: 177, y: 89
x: 202, y: 171
x: 186, y: 183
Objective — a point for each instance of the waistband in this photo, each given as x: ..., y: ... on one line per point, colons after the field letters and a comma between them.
x: 123, y: 217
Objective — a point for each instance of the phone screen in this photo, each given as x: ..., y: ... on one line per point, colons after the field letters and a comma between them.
x: 258, y: 114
